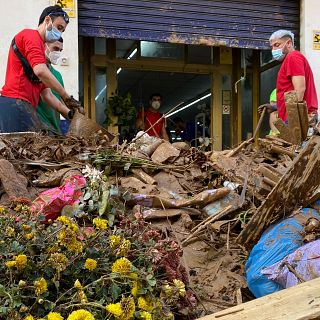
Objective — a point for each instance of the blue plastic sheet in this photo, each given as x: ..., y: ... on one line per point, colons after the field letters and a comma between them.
x: 275, y: 244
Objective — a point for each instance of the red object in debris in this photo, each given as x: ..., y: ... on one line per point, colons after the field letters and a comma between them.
x: 51, y: 202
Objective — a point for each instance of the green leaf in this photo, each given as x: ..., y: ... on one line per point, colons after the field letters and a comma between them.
x: 115, y: 291
x: 87, y: 196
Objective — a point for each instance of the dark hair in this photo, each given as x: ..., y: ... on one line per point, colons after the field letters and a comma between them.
x: 53, y: 12
x: 155, y: 95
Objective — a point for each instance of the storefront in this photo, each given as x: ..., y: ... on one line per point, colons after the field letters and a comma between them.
x: 209, y: 57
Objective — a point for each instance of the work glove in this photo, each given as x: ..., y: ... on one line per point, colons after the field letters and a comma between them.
x: 73, y: 105
x: 269, y: 108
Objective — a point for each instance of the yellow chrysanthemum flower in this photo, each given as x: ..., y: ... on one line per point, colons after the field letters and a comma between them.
x: 2, y: 210
x: 58, y: 261
x: 29, y: 236
x: 10, y: 232
x: 90, y: 264
x: 68, y: 239
x: 55, y: 316
x: 180, y: 286
x: 11, y: 264
x: 135, y: 288
x: 78, y: 285
x: 115, y: 309
x: 145, y: 315
x: 41, y: 286
x: 68, y: 222
x: 128, y: 308
x: 145, y: 304
x: 21, y: 261
x: 122, y: 265
x: 81, y: 315
x: 29, y: 317
x: 101, y: 224
x: 114, y: 241
x: 119, y: 245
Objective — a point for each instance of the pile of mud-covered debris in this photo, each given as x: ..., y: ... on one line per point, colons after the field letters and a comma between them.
x: 208, y: 202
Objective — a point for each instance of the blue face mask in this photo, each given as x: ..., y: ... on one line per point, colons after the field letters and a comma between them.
x: 277, y: 54
x: 53, y: 35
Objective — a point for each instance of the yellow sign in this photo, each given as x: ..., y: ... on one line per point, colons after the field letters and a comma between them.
x: 316, y: 39
x: 69, y: 6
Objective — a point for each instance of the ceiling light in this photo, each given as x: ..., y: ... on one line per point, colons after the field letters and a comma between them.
x: 189, y: 105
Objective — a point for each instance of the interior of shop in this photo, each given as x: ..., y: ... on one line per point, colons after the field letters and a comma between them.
x: 212, y: 88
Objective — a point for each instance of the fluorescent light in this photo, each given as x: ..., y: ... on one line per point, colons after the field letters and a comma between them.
x: 129, y: 57
x: 118, y: 71
x: 188, y: 105
x: 100, y: 93
x: 132, y: 53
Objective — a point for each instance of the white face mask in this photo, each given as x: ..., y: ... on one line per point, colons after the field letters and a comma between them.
x: 53, y: 56
x: 156, y: 105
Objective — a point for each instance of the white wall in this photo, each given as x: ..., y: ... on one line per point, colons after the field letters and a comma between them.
x: 310, y: 13
x: 16, y: 15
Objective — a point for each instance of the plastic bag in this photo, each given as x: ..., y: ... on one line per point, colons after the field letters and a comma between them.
x: 305, y: 261
x: 275, y: 244
x: 51, y: 202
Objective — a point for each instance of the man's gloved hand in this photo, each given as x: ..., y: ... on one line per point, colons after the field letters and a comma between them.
x: 270, y: 108
x: 74, y: 104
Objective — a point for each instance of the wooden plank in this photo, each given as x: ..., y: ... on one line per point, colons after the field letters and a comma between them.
x: 294, y: 189
x: 304, y: 121
x: 283, y: 129
x: 216, y: 111
x: 300, y: 302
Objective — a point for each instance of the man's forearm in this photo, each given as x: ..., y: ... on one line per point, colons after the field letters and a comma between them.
x: 54, y: 103
x: 45, y: 75
x: 299, y: 85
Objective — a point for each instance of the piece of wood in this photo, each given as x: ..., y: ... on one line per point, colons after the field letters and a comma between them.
x: 294, y: 189
x: 294, y: 122
x: 269, y: 174
x: 283, y: 129
x: 259, y: 123
x: 144, y: 177
x: 301, y: 302
x: 269, y: 182
x: 242, y: 145
x: 207, y: 221
x: 304, y: 120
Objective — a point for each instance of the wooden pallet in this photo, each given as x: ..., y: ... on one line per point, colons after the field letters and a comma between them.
x: 301, y: 302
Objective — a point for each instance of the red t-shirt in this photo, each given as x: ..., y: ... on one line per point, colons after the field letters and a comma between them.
x: 295, y: 64
x: 150, y: 118
x: 17, y: 85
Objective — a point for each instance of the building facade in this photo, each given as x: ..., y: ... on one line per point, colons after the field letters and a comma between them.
x: 210, y: 58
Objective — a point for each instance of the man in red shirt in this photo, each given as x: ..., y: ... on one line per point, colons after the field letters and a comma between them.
x: 148, y: 120
x: 295, y: 73
x: 28, y: 76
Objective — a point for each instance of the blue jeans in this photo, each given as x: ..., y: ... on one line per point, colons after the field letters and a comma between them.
x: 18, y: 116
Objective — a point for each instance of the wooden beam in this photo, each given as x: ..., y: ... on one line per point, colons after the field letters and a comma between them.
x: 216, y: 111
x: 293, y: 190
x: 255, y: 88
x: 112, y: 81
x: 148, y: 64
x: 236, y: 98
x: 301, y: 302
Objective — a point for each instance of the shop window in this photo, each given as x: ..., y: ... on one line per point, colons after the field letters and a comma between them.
x: 101, y: 94
x: 126, y: 49
x: 200, y: 54
x: 226, y: 110
x: 100, y: 46
x: 265, y: 57
x: 268, y: 79
x: 162, y: 50
x: 247, y: 112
